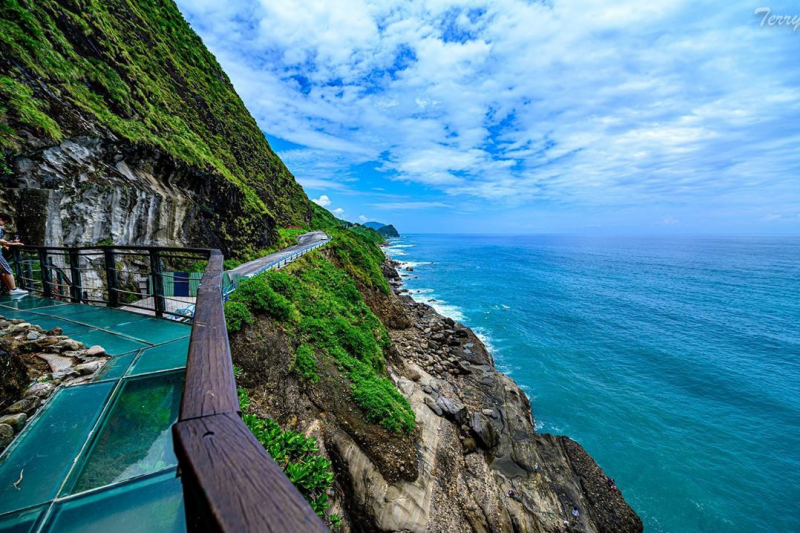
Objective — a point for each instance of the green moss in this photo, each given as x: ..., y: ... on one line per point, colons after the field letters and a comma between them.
x: 27, y: 110
x: 135, y: 67
x: 305, y: 363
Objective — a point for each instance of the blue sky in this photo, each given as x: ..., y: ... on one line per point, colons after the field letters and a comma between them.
x: 512, y: 116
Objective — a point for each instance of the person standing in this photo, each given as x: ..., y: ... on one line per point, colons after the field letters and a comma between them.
x: 6, y: 273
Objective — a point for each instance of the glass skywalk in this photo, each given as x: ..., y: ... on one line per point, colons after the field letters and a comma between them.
x: 99, y: 456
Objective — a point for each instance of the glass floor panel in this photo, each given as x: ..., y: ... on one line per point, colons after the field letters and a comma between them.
x: 116, y: 367
x: 163, y: 357
x: 147, y: 505
x: 28, y: 302
x: 92, y: 315
x: 22, y: 521
x: 113, y: 344
x: 154, y: 330
x: 44, y: 452
x: 135, y: 437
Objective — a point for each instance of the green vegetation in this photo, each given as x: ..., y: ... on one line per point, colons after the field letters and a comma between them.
x: 297, y: 455
x: 320, y: 307
x: 305, y: 363
x: 136, y: 68
x: 237, y: 315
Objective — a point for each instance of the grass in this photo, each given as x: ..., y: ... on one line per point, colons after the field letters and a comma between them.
x: 321, y: 308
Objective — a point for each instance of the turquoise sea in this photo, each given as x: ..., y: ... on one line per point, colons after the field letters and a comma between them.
x: 674, y: 361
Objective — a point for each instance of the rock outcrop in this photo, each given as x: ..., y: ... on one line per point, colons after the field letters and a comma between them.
x: 33, y: 364
x: 118, y: 126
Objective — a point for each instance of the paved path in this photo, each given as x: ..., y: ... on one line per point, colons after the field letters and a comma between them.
x: 305, y: 243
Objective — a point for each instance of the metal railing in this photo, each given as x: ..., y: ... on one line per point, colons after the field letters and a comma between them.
x: 158, y: 280
x: 231, y: 279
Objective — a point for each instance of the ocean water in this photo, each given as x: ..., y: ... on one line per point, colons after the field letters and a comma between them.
x: 674, y: 361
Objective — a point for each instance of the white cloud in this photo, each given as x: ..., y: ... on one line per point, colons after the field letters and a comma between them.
x: 323, y: 201
x: 362, y: 218
x: 512, y: 101
x: 338, y: 211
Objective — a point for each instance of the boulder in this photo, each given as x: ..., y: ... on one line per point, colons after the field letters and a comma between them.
x: 58, y: 363
x: 6, y: 435
x: 452, y: 409
x: 96, y: 351
x: 40, y: 390
x: 61, y: 375
x: 27, y: 405
x: 88, y: 368
x: 430, y: 402
x: 69, y: 344
x: 484, y: 431
x: 17, y: 421
x: 32, y: 335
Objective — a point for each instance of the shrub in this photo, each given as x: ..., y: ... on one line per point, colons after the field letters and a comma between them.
x: 297, y: 455
x: 257, y: 294
x: 236, y: 315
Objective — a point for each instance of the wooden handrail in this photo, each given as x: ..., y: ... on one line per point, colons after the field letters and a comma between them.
x: 230, y: 483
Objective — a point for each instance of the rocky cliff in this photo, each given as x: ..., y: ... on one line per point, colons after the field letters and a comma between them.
x: 117, y: 125
x: 473, y: 462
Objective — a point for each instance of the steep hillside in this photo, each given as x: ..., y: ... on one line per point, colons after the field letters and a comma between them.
x: 118, y: 103
x: 417, y: 429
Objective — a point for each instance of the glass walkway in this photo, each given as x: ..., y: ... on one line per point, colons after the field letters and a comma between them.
x: 98, y: 457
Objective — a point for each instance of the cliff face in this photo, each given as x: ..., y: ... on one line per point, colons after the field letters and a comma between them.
x: 117, y: 123
x: 474, y: 461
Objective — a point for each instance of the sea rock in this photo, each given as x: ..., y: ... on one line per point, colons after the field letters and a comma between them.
x: 16, y: 421
x: 452, y: 409
x: 430, y: 402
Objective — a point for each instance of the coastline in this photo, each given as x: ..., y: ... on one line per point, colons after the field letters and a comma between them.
x: 535, y: 481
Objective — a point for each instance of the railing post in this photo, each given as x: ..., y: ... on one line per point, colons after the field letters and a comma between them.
x: 76, y: 288
x: 111, y: 277
x: 158, y: 282
x: 58, y: 282
x: 17, y: 256
x: 45, y: 271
